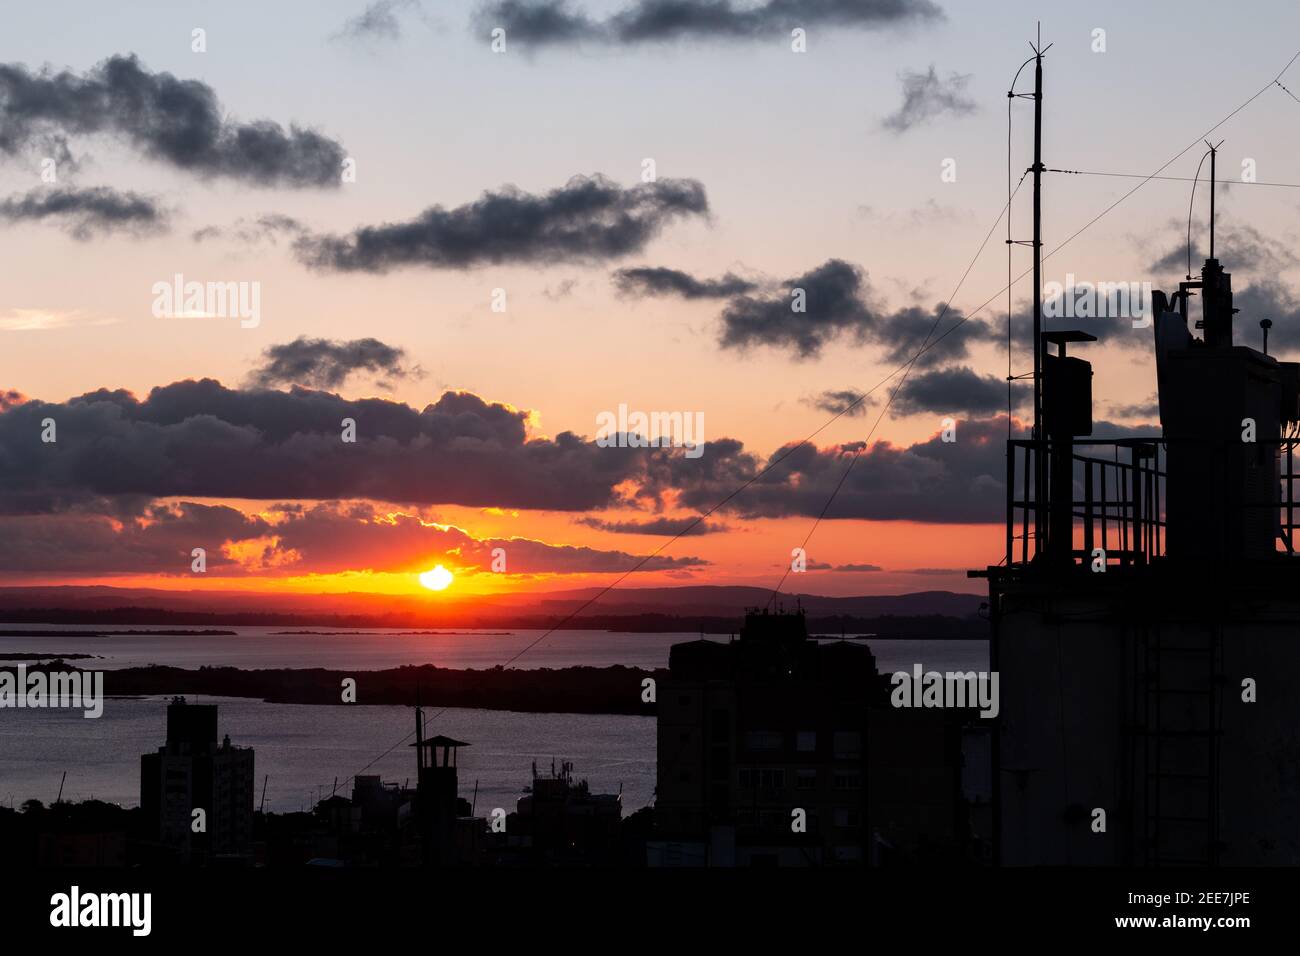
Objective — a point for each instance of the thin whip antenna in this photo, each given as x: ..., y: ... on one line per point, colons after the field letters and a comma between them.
x: 1191, y: 202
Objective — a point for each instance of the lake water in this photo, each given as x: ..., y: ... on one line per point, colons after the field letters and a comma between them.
x: 303, y: 747
x: 372, y: 649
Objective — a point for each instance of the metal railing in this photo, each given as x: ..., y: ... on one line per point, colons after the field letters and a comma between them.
x: 1118, y: 495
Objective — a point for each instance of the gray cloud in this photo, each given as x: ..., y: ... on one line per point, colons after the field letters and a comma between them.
x: 927, y: 96
x: 326, y: 363
x: 1240, y: 247
x: 665, y: 527
x: 842, y: 402
x: 1267, y: 299
x: 557, y: 22
x: 929, y: 481
x: 833, y: 305
x: 178, y: 122
x: 200, y: 439
x: 1148, y: 409
x: 957, y: 391
x: 940, y: 330
x: 651, y: 281
x: 838, y: 303
x: 85, y: 213
x: 588, y: 219
x: 267, y: 228
x: 324, y: 538
x: 378, y: 21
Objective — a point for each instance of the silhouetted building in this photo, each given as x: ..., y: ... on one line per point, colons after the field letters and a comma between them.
x: 774, y: 725
x: 193, y: 772
x: 560, y: 822
x: 1146, y: 617
x: 439, y: 808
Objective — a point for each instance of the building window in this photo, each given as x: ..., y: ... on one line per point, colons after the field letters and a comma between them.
x: 847, y: 781
x: 764, y: 778
x: 771, y: 779
x: 762, y: 740
x: 806, y: 741
x: 848, y: 818
x: 847, y: 744
x: 805, y: 779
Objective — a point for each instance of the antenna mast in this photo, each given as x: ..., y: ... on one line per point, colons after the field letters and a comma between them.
x: 1214, y: 149
x: 1040, y: 456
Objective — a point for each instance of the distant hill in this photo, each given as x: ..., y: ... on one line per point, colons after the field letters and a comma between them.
x: 716, y: 600
x: 660, y: 608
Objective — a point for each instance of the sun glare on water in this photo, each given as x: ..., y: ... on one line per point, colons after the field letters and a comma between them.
x: 436, y: 580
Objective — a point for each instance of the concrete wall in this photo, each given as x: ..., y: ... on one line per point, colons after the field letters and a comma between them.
x: 1070, y: 664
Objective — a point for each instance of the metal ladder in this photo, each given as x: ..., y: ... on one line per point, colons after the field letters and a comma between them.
x: 1178, y: 722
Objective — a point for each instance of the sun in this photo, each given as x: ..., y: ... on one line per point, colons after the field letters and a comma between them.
x: 437, y: 580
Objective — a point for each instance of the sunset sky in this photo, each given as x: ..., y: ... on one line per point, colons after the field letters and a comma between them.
x: 519, y: 178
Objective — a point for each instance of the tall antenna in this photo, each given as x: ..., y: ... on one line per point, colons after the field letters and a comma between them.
x: 1040, y: 459
x: 1214, y: 149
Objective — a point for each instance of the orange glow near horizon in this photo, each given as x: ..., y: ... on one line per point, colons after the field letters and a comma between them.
x: 911, y: 556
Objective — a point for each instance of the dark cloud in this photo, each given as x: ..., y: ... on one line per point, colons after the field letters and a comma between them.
x: 85, y: 213
x: 665, y: 527
x: 534, y: 557
x: 930, y: 481
x: 266, y: 228
x: 590, y: 218
x: 555, y: 22
x: 927, y: 96
x: 648, y: 281
x: 178, y: 122
x: 378, y: 21
x: 1267, y: 299
x: 326, y: 363
x: 928, y: 337
x: 857, y: 567
x: 157, y: 540
x: 842, y: 402
x: 331, y: 536
x: 837, y: 302
x: 954, y: 391
x: 200, y: 439
x: 1148, y: 409
x: 832, y: 305
x: 539, y: 22
x: 1240, y: 247
x: 325, y: 538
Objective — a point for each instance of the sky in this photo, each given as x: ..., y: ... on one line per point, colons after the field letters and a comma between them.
x: 474, y: 254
